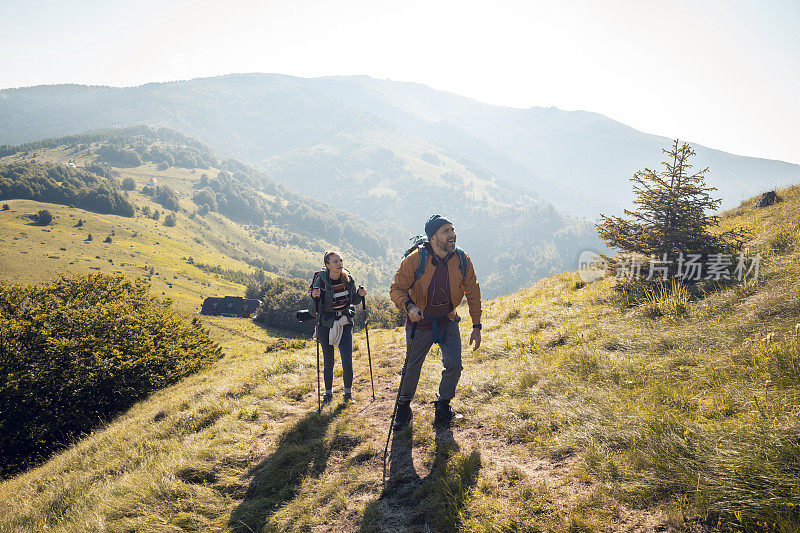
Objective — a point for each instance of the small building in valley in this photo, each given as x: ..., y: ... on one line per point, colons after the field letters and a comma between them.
x: 234, y: 306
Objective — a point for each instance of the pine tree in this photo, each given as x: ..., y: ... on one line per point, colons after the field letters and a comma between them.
x: 670, y: 217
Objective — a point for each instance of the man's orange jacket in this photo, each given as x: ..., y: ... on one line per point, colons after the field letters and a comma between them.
x: 460, y: 286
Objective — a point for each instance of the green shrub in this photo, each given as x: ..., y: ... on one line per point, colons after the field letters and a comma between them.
x: 282, y: 297
x: 119, y: 157
x: 80, y: 350
x: 128, y: 184
x: 43, y: 217
x: 167, y: 197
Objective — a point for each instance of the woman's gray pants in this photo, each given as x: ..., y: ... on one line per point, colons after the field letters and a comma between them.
x: 451, y: 359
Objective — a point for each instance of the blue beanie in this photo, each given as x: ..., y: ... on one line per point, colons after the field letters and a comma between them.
x: 434, y: 223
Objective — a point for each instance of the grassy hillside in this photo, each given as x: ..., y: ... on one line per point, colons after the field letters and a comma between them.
x: 581, y: 414
x: 511, y: 237
x: 143, y: 246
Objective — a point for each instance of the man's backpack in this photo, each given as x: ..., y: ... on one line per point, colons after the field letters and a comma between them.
x: 420, y: 243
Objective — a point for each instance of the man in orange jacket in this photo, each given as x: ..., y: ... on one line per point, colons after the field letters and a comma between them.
x: 430, y: 301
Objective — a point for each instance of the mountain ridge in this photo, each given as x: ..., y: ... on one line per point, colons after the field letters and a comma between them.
x: 580, y: 160
x: 379, y: 150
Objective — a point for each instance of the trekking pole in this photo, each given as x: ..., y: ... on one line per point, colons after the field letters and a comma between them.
x: 369, y: 354
x: 316, y: 334
x: 397, y: 400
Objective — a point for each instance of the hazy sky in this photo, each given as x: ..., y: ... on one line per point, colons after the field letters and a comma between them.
x: 722, y: 73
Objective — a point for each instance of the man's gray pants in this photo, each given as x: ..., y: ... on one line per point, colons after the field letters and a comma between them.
x: 451, y: 359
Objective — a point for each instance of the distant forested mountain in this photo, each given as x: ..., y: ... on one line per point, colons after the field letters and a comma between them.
x: 338, y: 155
x: 577, y: 160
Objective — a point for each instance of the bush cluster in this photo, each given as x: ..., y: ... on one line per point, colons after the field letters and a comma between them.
x: 167, y: 197
x: 43, y: 217
x: 78, y: 351
x: 119, y: 157
x: 128, y: 184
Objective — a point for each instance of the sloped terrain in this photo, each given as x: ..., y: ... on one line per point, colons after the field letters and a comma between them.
x: 391, y: 181
x: 183, y: 261
x: 582, y: 413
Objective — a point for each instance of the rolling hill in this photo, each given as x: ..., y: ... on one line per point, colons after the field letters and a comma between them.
x: 253, y: 224
x: 211, y: 254
x: 511, y: 237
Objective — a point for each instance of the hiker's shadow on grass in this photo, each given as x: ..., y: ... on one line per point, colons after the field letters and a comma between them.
x: 433, y: 503
x: 301, y: 452
x: 401, y: 462
x: 445, y: 491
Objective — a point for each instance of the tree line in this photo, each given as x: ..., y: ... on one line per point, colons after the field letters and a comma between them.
x: 133, y: 134
x: 238, y: 196
x: 64, y: 185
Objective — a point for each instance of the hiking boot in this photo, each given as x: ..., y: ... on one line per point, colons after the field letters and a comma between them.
x: 444, y: 415
x: 327, y: 398
x: 403, y: 416
x: 348, y: 397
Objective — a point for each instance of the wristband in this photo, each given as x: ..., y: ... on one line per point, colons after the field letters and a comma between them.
x: 477, y: 326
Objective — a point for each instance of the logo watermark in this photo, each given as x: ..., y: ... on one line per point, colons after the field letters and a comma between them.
x: 688, y: 267
x: 591, y: 266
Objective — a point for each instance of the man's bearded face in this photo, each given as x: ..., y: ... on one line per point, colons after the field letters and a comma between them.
x: 445, y: 238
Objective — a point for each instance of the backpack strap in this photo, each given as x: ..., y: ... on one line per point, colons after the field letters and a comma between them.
x: 423, y: 261
x: 462, y: 261
x: 318, y: 282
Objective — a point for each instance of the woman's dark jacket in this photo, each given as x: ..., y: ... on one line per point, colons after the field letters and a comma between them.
x: 323, y: 282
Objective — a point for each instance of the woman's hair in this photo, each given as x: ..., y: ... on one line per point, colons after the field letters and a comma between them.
x: 328, y: 254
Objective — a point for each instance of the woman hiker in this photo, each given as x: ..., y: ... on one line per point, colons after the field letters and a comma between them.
x: 336, y: 291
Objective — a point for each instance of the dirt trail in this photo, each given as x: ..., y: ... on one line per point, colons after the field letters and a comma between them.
x: 411, y: 459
